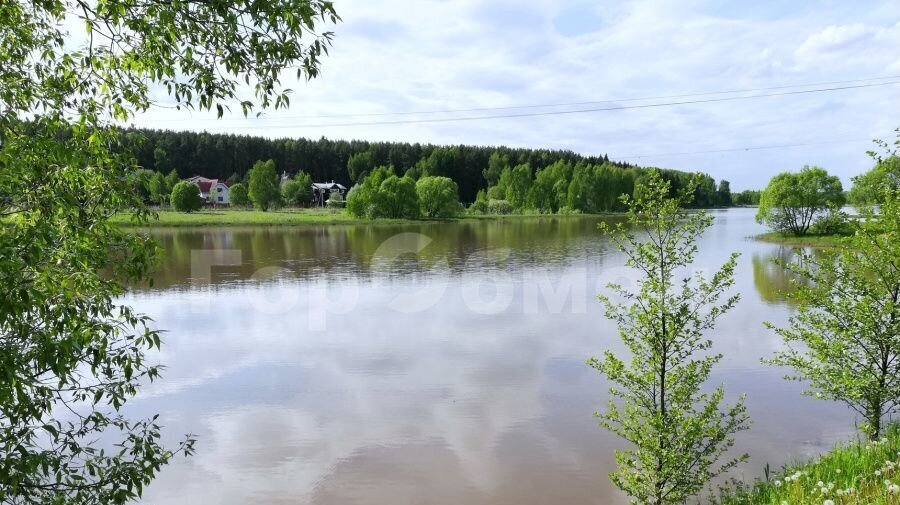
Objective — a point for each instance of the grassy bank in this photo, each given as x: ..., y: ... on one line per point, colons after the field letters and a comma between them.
x: 804, y: 241
x: 864, y: 473
x: 238, y: 217
x: 285, y: 217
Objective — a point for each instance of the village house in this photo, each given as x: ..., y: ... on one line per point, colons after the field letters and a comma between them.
x: 322, y: 191
x: 213, y: 191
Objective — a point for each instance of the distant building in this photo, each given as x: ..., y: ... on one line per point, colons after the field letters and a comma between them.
x: 322, y: 191
x: 214, y: 191
x: 284, y: 178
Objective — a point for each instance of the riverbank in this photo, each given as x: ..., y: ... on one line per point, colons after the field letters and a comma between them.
x: 292, y: 217
x: 804, y: 241
x: 858, y: 472
x: 238, y: 217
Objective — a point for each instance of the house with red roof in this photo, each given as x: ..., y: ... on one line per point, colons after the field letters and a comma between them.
x: 214, y: 191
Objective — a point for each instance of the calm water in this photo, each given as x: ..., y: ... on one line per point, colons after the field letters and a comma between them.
x: 337, y: 365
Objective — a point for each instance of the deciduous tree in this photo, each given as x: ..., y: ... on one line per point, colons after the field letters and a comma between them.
x: 678, y: 434
x: 792, y: 202
x: 263, y: 189
x: 72, y: 353
x: 438, y: 196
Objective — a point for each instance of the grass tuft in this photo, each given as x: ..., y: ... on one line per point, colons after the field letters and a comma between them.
x: 858, y: 473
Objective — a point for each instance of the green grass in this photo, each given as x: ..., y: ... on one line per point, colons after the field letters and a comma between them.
x: 857, y: 473
x: 286, y: 217
x: 804, y: 241
x: 237, y: 217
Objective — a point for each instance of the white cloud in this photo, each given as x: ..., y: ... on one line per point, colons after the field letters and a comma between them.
x: 467, y: 54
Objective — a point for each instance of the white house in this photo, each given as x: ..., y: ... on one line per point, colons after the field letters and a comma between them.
x: 214, y: 191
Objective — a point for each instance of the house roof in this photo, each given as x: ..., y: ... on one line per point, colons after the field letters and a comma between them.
x: 204, y: 184
x: 328, y: 185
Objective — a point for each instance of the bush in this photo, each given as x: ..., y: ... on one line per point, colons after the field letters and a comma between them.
x: 568, y: 211
x: 237, y: 195
x: 186, y: 197
x: 835, y: 222
x: 291, y: 192
x: 499, y: 207
x: 382, y: 194
x: 335, y: 201
x: 438, y: 197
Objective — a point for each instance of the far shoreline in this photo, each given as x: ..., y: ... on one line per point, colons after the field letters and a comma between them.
x: 305, y: 217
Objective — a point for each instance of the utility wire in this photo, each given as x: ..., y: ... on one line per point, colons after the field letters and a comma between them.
x: 563, y: 104
x: 736, y: 149
x: 594, y: 102
x: 574, y: 111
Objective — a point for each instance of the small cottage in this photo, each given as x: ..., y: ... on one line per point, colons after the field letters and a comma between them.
x: 213, y: 191
x: 322, y: 191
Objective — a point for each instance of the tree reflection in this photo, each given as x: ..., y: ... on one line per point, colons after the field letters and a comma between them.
x: 773, y: 282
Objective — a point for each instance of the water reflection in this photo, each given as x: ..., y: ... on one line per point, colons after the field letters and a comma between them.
x: 445, y: 404
x: 350, y: 250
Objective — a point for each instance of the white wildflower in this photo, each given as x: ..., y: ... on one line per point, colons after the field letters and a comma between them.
x: 820, y: 484
x: 777, y: 483
x: 828, y: 502
x: 894, y: 489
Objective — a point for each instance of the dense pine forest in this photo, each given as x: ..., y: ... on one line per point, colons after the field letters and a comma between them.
x: 228, y: 156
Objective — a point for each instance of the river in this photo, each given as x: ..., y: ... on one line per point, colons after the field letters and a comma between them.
x: 432, y: 363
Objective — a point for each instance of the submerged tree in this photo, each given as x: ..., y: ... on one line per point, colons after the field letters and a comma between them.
x: 845, y: 339
x: 679, y: 435
x: 71, y: 353
x: 793, y: 202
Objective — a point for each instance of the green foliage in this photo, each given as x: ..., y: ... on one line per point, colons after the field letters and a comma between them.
x: 238, y: 195
x: 550, y: 189
x: 290, y: 192
x: 438, y: 196
x: 396, y: 198
x: 161, y: 160
x: 869, y: 187
x: 335, y: 201
x: 384, y: 195
x: 480, y: 204
x: 186, y: 197
x: 598, y: 188
x: 471, y: 167
x: 263, y: 189
x: 72, y: 354
x: 297, y: 191
x: 499, y: 207
x: 677, y: 434
x: 851, y: 473
x: 157, y: 188
x: 747, y: 197
x: 171, y: 180
x: 792, y: 202
x: 724, y: 194
x: 495, y: 166
x: 517, y: 182
x: 833, y: 222
x: 359, y: 165
x: 844, y: 340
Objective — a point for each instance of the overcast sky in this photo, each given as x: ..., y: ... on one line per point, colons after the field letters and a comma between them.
x: 391, y: 57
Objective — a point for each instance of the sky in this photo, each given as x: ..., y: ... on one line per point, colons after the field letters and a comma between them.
x: 399, y: 57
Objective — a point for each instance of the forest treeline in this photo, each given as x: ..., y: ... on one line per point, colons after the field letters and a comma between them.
x: 229, y: 156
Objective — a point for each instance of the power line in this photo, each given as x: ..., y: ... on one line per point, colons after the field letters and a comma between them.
x: 736, y: 149
x: 563, y: 104
x: 575, y: 111
x: 593, y: 102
